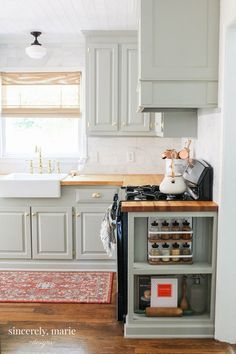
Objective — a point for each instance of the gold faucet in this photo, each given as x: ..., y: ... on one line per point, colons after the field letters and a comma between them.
x: 49, y: 166
x: 58, y: 167
x: 31, y: 166
x: 40, y: 161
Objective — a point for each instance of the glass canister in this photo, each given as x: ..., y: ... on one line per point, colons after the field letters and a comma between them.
x: 165, y: 252
x: 186, y: 227
x: 165, y: 228
x: 175, y: 252
x: 154, y: 251
x: 175, y: 227
x: 198, y: 296
x: 154, y: 229
x: 186, y: 251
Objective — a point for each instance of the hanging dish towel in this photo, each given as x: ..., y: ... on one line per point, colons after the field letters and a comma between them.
x: 107, y: 232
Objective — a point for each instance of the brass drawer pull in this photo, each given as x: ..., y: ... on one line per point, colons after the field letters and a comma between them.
x: 96, y: 195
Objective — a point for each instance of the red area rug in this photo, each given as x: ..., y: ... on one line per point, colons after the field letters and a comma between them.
x: 64, y: 287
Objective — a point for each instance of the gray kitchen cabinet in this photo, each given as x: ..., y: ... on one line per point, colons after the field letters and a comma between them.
x: 52, y: 232
x: 173, y: 124
x: 178, y: 53
x: 15, y: 237
x: 131, y: 120
x: 92, y: 203
x: 111, y: 85
x: 88, y: 223
x: 102, y: 89
x: 204, y: 241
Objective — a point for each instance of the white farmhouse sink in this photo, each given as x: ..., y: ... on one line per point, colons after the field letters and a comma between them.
x: 27, y: 185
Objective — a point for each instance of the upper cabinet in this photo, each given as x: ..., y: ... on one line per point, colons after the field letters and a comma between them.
x: 102, y: 98
x: 112, y: 91
x: 178, y: 53
x: 111, y: 85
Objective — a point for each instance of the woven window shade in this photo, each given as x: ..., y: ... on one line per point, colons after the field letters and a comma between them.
x: 41, y: 93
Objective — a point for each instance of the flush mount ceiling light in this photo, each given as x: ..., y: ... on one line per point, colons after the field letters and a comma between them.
x: 36, y: 50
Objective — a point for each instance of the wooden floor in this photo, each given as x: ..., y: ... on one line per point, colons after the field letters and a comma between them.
x: 96, y: 332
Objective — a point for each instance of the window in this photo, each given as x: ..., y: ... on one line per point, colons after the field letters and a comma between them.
x: 41, y: 109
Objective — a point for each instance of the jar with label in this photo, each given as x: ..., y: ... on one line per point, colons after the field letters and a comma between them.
x: 186, y: 227
x: 186, y: 251
x: 175, y: 227
x: 154, y: 231
x: 165, y: 252
x: 175, y: 252
x: 165, y: 228
x: 154, y: 251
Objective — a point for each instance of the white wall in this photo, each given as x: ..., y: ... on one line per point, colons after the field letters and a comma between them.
x: 208, y: 144
x: 106, y: 154
x: 216, y: 144
x: 226, y: 265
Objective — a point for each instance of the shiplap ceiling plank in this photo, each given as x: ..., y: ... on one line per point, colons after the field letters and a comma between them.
x: 66, y: 16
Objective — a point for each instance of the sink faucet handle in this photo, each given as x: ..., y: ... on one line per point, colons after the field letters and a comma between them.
x: 58, y: 167
x: 31, y: 166
x: 49, y: 166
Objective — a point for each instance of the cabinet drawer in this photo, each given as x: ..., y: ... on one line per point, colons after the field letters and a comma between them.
x: 95, y: 195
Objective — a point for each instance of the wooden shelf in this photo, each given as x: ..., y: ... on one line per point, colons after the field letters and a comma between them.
x: 144, y: 268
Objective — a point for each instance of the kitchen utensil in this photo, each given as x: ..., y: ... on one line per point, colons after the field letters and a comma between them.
x: 169, y: 154
x: 184, y: 302
x: 184, y: 153
x: 163, y: 311
x: 173, y: 184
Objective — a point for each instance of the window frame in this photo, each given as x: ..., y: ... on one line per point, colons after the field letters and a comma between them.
x: 82, y: 137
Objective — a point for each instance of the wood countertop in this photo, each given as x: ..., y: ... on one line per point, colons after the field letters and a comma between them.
x: 169, y: 206
x: 113, y: 180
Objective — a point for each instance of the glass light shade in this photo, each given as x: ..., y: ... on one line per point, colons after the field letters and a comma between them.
x: 36, y: 51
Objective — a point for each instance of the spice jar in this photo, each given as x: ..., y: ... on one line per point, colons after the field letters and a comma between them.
x: 154, y: 251
x: 175, y: 252
x: 186, y: 227
x: 175, y: 227
x: 154, y: 231
x: 165, y: 228
x: 165, y: 252
x: 186, y: 252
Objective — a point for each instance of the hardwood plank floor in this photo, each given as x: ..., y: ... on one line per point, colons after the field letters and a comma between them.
x: 96, y: 332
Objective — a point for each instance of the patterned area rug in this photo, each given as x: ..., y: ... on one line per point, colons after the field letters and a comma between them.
x: 64, y: 287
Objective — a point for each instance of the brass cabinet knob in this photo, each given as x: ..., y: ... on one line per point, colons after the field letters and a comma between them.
x: 27, y: 214
x: 96, y: 195
x: 78, y: 215
x: 33, y: 214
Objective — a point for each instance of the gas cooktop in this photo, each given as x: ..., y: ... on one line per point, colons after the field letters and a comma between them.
x: 148, y: 192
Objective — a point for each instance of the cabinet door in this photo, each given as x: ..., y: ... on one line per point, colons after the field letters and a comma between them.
x: 88, y: 223
x: 52, y: 232
x: 131, y: 121
x: 102, y: 88
x: 15, y: 241
x: 179, y: 39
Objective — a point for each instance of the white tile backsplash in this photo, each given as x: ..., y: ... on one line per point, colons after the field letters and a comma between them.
x: 112, y: 152
x: 208, y: 144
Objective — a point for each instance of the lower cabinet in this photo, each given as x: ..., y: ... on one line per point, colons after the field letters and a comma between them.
x: 15, y: 235
x: 47, y: 230
x: 52, y: 233
x: 88, y: 223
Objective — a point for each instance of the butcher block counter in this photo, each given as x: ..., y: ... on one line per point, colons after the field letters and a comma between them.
x: 113, y: 180
x: 148, y: 206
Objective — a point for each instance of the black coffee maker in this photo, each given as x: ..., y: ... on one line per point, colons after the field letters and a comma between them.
x: 198, y: 176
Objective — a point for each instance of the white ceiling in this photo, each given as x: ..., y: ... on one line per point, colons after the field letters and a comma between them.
x: 53, y: 17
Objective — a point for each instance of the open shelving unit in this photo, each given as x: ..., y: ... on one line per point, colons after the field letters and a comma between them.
x: 204, y: 237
